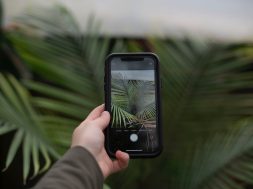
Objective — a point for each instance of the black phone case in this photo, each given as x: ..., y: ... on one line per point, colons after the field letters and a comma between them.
x: 107, y: 87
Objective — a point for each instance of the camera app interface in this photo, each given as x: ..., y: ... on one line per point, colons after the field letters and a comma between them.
x: 133, y: 105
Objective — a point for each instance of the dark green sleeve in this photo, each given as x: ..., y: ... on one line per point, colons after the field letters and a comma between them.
x: 76, y: 169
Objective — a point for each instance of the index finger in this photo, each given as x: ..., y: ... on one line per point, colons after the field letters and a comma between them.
x: 95, y: 113
x: 102, y: 121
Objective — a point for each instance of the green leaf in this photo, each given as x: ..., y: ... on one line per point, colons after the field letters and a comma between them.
x: 61, y: 94
x: 6, y: 127
x: 46, y: 157
x: 26, y: 156
x: 16, y: 142
x: 23, y: 96
x: 8, y: 91
x: 35, y: 157
x: 24, y: 119
x: 60, y: 107
x: 217, y: 161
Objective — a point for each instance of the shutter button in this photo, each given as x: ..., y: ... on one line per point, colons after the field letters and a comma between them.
x: 133, y: 137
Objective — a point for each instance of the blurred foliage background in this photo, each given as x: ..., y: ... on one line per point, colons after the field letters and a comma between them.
x: 52, y: 76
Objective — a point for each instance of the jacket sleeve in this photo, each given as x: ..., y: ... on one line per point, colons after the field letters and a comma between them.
x: 76, y: 169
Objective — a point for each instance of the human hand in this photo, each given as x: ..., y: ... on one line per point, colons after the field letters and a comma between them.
x: 89, y: 134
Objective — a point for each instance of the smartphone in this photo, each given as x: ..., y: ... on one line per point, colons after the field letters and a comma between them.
x: 132, y: 96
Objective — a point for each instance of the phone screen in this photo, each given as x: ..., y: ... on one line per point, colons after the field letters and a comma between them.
x: 133, y: 127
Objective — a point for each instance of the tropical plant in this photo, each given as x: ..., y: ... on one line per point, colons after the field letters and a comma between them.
x: 133, y: 103
x: 206, y: 101
x: 17, y: 113
x: 45, y: 121
x: 133, y: 107
x: 206, y: 90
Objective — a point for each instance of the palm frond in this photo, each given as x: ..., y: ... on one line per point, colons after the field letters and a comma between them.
x: 81, y: 57
x: 17, y: 113
x: 224, y: 160
x: 74, y: 65
x: 202, y: 84
x: 121, y: 118
x: 127, y: 94
x: 148, y: 112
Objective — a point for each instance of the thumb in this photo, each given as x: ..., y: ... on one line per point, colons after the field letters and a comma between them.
x: 103, y: 120
x: 121, y: 162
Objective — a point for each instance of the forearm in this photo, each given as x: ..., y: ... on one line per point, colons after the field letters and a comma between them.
x: 77, y: 169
